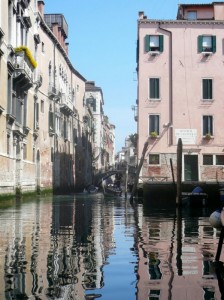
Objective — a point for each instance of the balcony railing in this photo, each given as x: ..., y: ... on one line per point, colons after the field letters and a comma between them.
x: 66, y: 104
x: 23, y: 65
x: 53, y: 92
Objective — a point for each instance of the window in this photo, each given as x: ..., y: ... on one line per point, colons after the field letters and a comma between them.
x: 207, y: 89
x: 25, y: 112
x: 219, y: 160
x: 154, y: 88
x: 36, y: 114
x: 207, y: 125
x: 8, y: 144
x: 208, y: 160
x: 206, y: 43
x: 51, y: 121
x: 24, y: 151
x: 154, y: 124
x: 42, y: 106
x: 19, y: 110
x: 192, y: 15
x: 154, y: 159
x: 154, y: 43
x: 34, y: 152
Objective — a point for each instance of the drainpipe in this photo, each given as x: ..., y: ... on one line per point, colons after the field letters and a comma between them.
x: 170, y: 83
x: 54, y: 125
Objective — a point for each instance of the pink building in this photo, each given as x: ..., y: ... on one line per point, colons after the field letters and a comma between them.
x: 180, y: 66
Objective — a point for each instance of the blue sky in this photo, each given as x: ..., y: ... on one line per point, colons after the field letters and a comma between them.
x: 102, y: 38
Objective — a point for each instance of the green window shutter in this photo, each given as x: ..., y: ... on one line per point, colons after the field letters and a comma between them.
x: 213, y: 43
x: 207, y: 89
x: 161, y: 43
x: 200, y: 38
x: 147, y: 43
x: 210, y: 89
x: 137, y: 51
x: 37, y: 112
x: 154, y: 88
x: 204, y: 89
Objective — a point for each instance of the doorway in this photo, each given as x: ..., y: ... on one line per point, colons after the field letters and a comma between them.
x: 191, y: 167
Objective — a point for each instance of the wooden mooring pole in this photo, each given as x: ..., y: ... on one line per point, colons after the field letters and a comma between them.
x: 219, y: 249
x: 135, y: 186
x: 221, y: 237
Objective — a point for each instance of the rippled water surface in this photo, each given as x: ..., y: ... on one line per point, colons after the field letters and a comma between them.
x: 90, y: 247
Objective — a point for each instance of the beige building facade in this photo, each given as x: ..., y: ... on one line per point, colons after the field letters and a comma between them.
x: 46, y: 128
x: 180, y: 92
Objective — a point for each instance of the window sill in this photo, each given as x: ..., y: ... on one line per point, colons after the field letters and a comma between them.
x: 154, y: 99
x: 207, y: 100
x: 154, y: 137
x: 207, y: 53
x: 154, y: 53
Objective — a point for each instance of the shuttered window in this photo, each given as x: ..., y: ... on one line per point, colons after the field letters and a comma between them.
x: 154, y: 43
x: 206, y: 43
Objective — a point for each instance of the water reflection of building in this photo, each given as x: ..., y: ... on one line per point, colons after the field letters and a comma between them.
x: 175, y: 259
x: 23, y: 258
x: 79, y: 246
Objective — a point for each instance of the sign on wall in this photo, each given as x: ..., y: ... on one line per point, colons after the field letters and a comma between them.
x: 188, y: 136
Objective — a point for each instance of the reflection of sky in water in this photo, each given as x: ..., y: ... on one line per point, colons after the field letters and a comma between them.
x: 72, y: 247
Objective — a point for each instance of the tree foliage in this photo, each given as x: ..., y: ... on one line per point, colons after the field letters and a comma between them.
x: 134, y: 139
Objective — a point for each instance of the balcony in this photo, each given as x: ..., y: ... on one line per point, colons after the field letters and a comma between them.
x: 66, y: 105
x: 24, y: 67
x: 53, y: 92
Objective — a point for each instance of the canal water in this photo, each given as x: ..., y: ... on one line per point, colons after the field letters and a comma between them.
x: 90, y: 247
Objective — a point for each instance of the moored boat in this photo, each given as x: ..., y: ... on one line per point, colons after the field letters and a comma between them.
x: 112, y: 190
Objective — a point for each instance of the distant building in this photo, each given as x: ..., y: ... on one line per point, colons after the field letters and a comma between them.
x: 180, y: 92
x: 103, y: 131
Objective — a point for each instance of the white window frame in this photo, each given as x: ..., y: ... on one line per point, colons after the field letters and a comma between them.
x: 149, y: 85
x: 152, y: 130
x: 159, y: 164
x: 212, y: 134
x: 202, y: 86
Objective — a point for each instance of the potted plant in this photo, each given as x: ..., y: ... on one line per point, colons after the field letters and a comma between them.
x: 153, y: 134
x: 208, y: 136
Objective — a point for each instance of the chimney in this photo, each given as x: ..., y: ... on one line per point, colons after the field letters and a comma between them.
x: 66, y: 47
x: 55, y: 29
x: 41, y: 7
x: 141, y: 15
